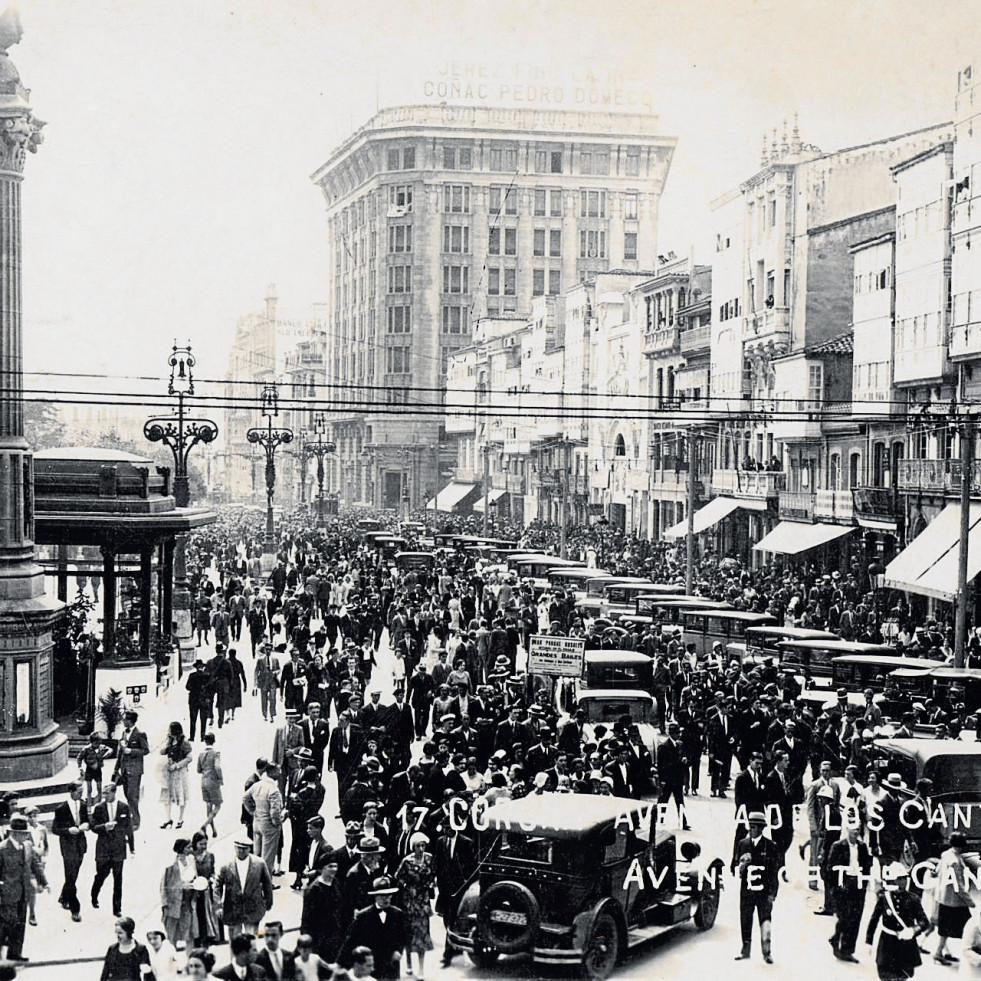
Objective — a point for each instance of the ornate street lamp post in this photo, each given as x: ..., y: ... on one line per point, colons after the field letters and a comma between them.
x: 320, y: 448
x: 269, y: 439
x: 180, y: 433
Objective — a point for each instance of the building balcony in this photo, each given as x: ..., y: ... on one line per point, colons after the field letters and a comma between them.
x: 878, y: 503
x: 768, y: 328
x: 664, y: 340
x: 803, y: 418
x: 580, y: 484
x: 697, y: 341
x: 514, y: 483
x: 673, y: 484
x: 834, y: 505
x: 965, y: 340
x: 796, y: 506
x: 932, y: 476
x: 750, y: 484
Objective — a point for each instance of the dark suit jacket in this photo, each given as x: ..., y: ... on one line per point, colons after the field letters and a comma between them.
x: 111, y: 843
x: 132, y: 763
x: 337, y: 758
x: 765, y: 858
x: 252, y: 972
x: 670, y: 769
x: 839, y: 858
x: 747, y: 793
x: 323, y: 918
x: 384, y: 941
x: 251, y: 905
x: 18, y: 865
x: 264, y: 961
x: 71, y: 845
x: 621, y: 787
x: 452, y: 874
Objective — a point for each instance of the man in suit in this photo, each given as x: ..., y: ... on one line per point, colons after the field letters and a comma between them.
x: 287, y: 740
x: 619, y: 771
x: 133, y: 746
x: 266, y: 681
x: 319, y: 847
x: 19, y: 865
x: 260, y: 767
x: 113, y: 826
x: 198, y: 698
x: 454, y: 858
x: 276, y: 962
x: 721, y: 741
x: 70, y: 822
x: 641, y: 762
x: 779, y: 795
x: 343, y: 750
x: 512, y: 730
x: 850, y: 862
x: 759, y: 865
x: 672, y: 767
x: 823, y: 800
x: 542, y: 755
x: 382, y: 928
x: 243, y: 963
x: 796, y: 749
x: 316, y: 734
x: 749, y: 791
x: 348, y: 854
x: 243, y: 891
x: 264, y: 801
x: 358, y: 882
x: 570, y: 734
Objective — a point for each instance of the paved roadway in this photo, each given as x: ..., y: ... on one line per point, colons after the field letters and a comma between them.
x: 800, y: 947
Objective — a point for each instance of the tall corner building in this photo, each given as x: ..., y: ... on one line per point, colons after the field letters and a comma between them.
x: 441, y: 215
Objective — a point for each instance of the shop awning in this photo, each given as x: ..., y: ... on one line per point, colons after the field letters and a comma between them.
x: 928, y: 565
x: 794, y: 537
x: 705, y: 518
x: 450, y: 496
x: 492, y: 498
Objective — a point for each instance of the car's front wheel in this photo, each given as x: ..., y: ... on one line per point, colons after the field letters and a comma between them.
x: 601, y: 951
x: 708, y: 907
x: 483, y: 956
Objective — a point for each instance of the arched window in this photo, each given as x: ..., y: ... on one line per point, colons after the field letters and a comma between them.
x: 619, y: 447
x: 854, y: 469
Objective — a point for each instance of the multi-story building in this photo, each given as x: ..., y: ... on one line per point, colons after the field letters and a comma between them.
x: 440, y: 216
x: 781, y: 347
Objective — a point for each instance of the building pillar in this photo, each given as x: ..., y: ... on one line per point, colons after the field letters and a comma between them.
x: 62, y: 558
x: 167, y: 578
x: 146, y: 593
x: 27, y: 614
x: 108, y: 602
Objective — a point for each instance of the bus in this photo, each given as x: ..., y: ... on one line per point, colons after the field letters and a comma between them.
x: 620, y: 599
x: 812, y: 658
x: 368, y: 524
x: 668, y: 610
x: 573, y: 577
x: 594, y: 604
x: 705, y: 628
x: 415, y: 561
x: 857, y: 672
x: 764, y: 642
x: 957, y: 685
x: 536, y: 565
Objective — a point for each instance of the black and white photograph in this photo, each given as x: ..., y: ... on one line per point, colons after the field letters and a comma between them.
x: 490, y: 491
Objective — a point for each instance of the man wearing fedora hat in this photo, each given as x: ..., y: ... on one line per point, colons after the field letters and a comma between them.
x: 266, y: 680
x: 382, y: 928
x: 19, y: 864
x: 758, y: 863
x: 359, y: 878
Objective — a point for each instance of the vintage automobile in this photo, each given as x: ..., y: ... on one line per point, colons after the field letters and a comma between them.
x: 953, y: 765
x: 581, y: 881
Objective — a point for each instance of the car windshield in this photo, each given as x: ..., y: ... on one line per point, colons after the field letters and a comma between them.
x: 610, y: 709
x: 954, y: 774
x: 527, y: 848
x: 613, y: 675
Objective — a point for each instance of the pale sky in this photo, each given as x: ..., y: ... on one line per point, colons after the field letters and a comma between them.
x: 173, y: 183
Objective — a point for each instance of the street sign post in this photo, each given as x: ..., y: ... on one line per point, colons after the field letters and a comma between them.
x: 560, y: 657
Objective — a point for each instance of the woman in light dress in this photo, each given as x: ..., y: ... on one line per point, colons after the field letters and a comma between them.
x: 173, y: 788
x: 209, y: 766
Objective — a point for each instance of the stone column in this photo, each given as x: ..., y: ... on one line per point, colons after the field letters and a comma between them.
x: 27, y: 615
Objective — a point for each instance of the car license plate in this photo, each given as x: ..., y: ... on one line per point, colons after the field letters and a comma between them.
x: 506, y: 916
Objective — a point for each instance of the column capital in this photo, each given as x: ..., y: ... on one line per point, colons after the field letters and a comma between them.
x: 20, y: 129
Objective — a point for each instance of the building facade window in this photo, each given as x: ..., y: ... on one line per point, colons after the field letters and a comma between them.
x: 399, y: 238
x: 541, y: 202
x: 457, y: 158
x: 456, y: 279
x: 510, y: 241
x: 555, y: 242
x: 397, y: 360
x: 538, y: 282
x: 399, y: 319
x: 554, y: 282
x: 494, y: 241
x: 538, y: 242
x: 456, y: 238
x: 630, y: 245
x: 592, y: 244
x: 503, y: 196
x: 400, y: 279
x: 400, y: 197
x: 402, y: 158
x: 592, y: 204
x: 555, y: 204
x: 454, y: 319
x: 457, y: 199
